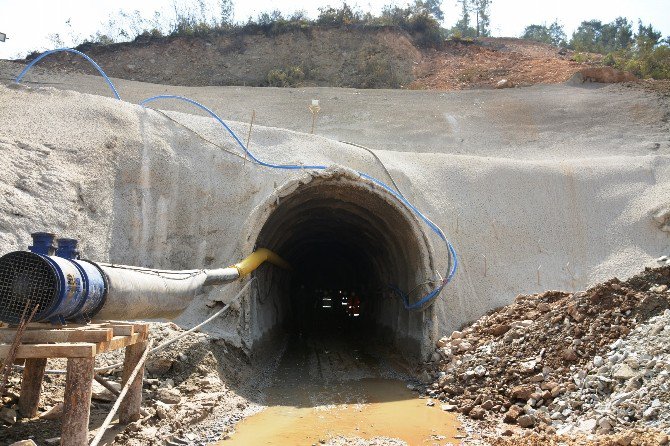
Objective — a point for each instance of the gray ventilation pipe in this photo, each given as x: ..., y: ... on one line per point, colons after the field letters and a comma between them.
x: 66, y: 288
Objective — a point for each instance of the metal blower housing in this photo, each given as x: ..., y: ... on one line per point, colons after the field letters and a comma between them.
x: 62, y: 288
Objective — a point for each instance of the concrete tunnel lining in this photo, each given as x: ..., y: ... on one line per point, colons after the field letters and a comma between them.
x: 341, y: 232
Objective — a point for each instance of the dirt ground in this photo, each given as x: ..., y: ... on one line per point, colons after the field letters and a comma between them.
x: 385, y: 58
x: 482, y: 64
x: 204, y: 392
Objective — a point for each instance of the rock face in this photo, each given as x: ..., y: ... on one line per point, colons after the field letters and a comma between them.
x: 562, y: 355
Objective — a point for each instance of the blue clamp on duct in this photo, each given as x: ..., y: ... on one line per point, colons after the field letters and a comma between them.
x: 67, y: 248
x: 43, y: 243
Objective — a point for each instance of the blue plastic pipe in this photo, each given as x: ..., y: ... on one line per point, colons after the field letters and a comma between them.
x: 451, y: 252
x: 69, y: 50
x: 452, y: 258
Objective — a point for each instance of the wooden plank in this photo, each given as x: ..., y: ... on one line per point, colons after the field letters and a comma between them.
x: 118, y: 342
x: 40, y: 325
x: 31, y: 386
x: 67, y: 350
x: 142, y: 328
x: 137, y: 326
x: 122, y: 330
x: 77, y: 405
x: 130, y: 407
x: 63, y: 335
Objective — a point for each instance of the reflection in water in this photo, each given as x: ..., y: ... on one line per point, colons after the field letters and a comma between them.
x: 337, y: 380
x: 366, y: 408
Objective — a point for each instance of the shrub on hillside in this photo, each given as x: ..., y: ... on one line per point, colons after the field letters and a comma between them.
x: 376, y: 71
x: 289, y: 77
x: 343, y: 16
x: 653, y: 63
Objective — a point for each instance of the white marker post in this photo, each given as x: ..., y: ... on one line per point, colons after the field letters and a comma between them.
x: 315, y: 109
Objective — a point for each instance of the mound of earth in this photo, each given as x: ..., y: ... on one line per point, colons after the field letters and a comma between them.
x: 194, y: 393
x: 360, y: 57
x: 543, y: 361
x: 485, y: 62
x: 357, y: 57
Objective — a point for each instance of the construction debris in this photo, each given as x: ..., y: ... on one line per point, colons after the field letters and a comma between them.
x: 178, y: 395
x: 595, y: 361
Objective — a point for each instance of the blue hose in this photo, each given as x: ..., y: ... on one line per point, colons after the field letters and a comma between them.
x: 69, y: 50
x: 235, y: 137
x: 453, y: 259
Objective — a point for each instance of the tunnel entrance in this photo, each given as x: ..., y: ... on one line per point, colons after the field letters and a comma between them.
x: 346, y: 240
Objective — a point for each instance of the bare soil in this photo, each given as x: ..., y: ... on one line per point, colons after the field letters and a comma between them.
x: 483, y: 63
x: 326, y: 57
x: 346, y: 57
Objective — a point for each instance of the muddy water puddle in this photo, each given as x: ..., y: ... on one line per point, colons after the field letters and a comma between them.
x: 367, y: 408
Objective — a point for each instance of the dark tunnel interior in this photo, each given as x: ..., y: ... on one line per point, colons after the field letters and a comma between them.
x: 346, y: 244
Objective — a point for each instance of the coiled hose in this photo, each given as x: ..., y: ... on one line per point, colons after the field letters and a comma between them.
x: 452, y: 259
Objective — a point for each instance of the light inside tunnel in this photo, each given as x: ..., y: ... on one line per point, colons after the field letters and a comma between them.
x: 346, y: 242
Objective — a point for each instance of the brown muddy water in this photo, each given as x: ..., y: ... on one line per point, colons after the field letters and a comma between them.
x: 329, y: 388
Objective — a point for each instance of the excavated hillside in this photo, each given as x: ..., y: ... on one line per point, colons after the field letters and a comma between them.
x: 358, y: 57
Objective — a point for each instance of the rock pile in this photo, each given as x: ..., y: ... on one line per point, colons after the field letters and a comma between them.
x: 628, y: 387
x: 521, y: 362
x: 182, y: 387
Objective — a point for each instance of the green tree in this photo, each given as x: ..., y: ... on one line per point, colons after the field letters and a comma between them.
x: 596, y: 37
x: 538, y: 33
x: 647, y: 37
x: 617, y: 35
x: 557, y: 34
x: 481, y: 10
x: 226, y: 9
x: 434, y: 7
x: 462, y: 27
x: 552, y: 34
x: 587, y: 36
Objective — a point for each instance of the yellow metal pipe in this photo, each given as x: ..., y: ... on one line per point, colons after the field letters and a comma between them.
x: 249, y: 264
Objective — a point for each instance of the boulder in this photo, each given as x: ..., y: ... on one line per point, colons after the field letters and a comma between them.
x: 168, y: 396
x: 477, y: 413
x: 522, y: 392
x: 526, y: 421
x: 512, y: 414
x: 7, y: 415
x: 504, y: 83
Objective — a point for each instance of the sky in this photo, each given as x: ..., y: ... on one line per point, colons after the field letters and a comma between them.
x: 28, y: 24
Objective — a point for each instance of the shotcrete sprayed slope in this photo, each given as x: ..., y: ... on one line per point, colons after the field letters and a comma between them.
x: 539, y: 122
x: 136, y: 188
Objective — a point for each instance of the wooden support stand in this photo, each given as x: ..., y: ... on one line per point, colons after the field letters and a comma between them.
x: 79, y: 344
